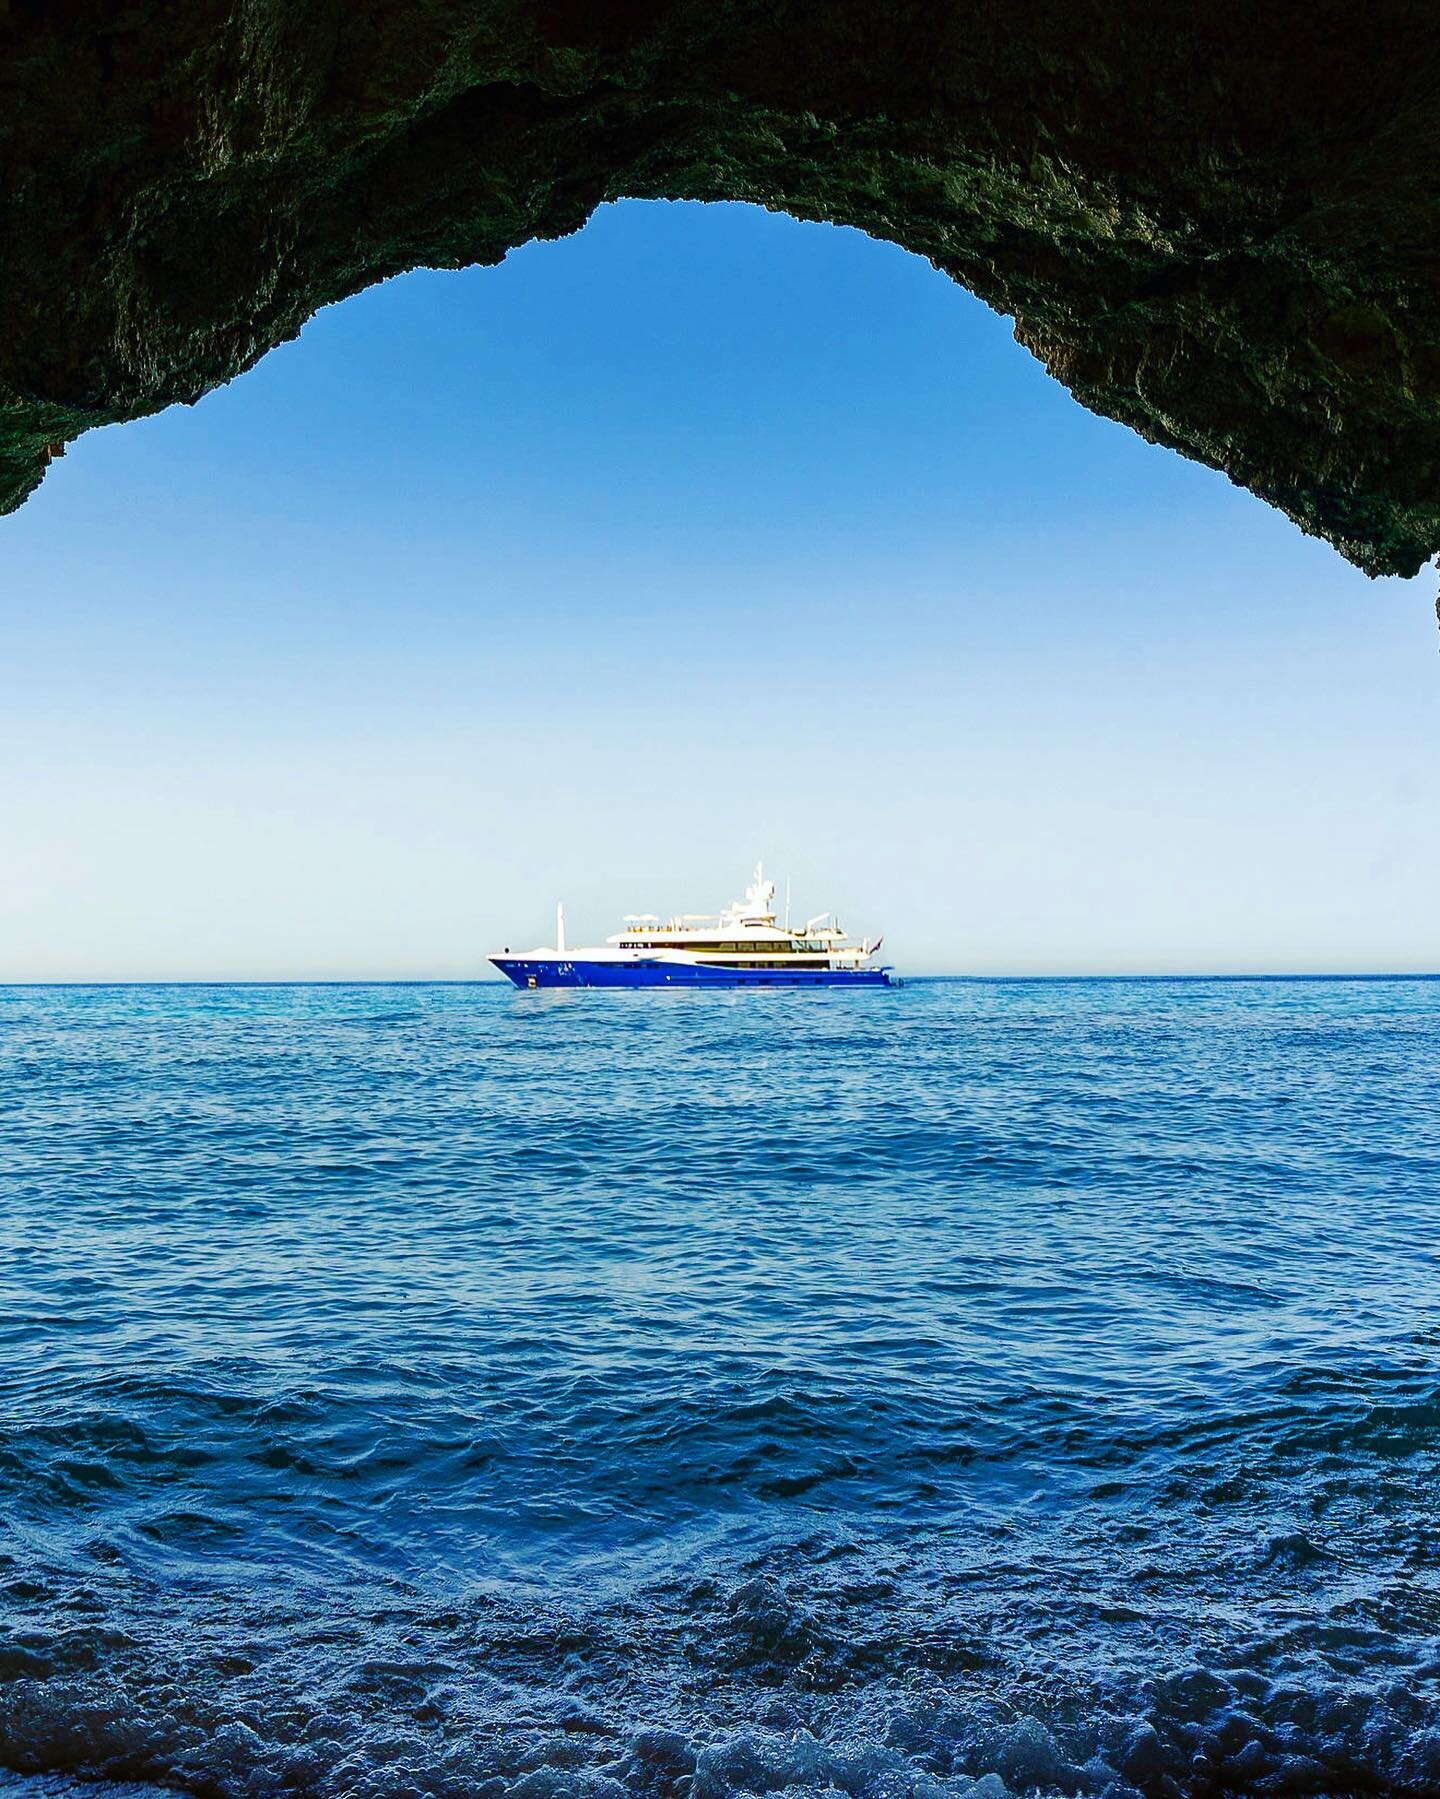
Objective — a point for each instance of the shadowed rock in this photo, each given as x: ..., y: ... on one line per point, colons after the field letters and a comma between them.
x: 1217, y: 224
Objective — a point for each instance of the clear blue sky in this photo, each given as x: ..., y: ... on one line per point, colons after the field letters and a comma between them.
x: 699, y: 536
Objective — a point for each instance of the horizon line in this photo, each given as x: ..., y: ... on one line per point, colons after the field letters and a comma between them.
x: 505, y: 985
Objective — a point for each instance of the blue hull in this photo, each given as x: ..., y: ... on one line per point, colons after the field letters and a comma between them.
x: 525, y: 971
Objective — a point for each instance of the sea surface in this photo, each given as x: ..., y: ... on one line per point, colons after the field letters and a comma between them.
x: 975, y: 1388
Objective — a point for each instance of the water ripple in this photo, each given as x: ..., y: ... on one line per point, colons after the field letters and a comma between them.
x: 971, y: 1390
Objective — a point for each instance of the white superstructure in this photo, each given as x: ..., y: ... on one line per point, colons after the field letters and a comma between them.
x: 746, y: 928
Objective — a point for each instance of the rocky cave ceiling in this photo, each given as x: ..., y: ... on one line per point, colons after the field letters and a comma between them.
x: 1215, y: 223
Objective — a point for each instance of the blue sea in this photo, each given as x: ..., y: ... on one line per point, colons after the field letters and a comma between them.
x: 971, y: 1389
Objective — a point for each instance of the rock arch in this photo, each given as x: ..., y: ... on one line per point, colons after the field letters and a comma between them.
x: 1219, y: 224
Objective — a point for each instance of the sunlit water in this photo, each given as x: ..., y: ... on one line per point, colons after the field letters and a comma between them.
x: 417, y: 1391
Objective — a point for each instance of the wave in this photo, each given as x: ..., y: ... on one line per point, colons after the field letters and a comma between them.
x: 1010, y: 1391
x: 758, y: 1688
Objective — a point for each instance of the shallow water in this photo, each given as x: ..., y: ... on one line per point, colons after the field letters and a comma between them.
x: 976, y: 1387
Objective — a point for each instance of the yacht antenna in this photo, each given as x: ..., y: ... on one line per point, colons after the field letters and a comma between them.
x: 787, y: 902
x: 560, y: 927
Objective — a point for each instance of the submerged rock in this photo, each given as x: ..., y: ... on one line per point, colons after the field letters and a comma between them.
x: 61, y: 1786
x: 1217, y: 225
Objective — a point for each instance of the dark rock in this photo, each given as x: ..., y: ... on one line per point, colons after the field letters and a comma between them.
x: 1217, y: 224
